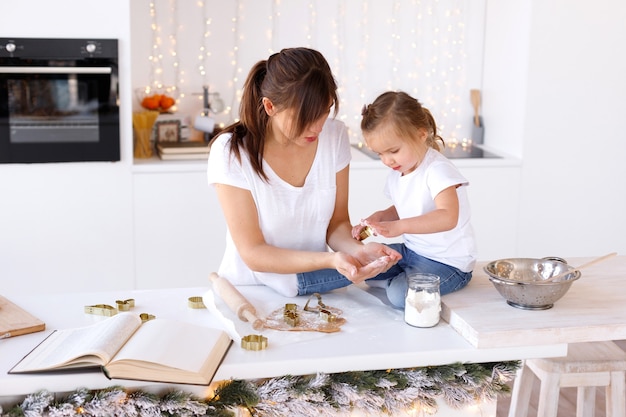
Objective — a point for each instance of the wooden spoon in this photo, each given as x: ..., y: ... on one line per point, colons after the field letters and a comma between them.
x: 578, y: 268
x: 475, y: 99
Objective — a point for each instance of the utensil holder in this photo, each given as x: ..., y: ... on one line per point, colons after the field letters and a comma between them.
x: 478, y: 132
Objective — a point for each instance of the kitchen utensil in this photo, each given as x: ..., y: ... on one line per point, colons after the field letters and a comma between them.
x: 478, y: 130
x: 475, y: 99
x: 585, y: 265
x: 235, y: 301
x: 521, y: 281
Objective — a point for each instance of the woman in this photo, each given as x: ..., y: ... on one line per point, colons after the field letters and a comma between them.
x: 281, y: 177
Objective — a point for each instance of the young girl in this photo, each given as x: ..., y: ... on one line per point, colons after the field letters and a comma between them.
x: 430, y: 206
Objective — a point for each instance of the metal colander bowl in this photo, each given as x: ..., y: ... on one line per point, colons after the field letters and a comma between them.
x: 521, y: 281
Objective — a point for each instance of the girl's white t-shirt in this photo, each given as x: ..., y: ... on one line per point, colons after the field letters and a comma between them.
x: 414, y: 194
x: 290, y: 217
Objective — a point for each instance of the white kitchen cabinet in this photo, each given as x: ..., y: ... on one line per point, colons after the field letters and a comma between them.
x: 179, y: 229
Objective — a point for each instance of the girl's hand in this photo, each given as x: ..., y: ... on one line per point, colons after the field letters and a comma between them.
x: 357, y: 230
x: 386, y: 228
x: 377, y: 218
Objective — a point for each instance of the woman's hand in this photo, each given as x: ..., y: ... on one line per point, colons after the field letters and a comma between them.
x: 370, y: 260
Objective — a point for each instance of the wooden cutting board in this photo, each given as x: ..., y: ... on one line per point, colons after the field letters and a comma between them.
x: 15, y: 321
x: 592, y: 310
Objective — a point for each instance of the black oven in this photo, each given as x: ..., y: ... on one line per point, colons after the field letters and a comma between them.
x: 59, y: 100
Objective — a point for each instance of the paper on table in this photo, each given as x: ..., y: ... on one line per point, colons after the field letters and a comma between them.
x: 361, y: 309
x: 210, y: 301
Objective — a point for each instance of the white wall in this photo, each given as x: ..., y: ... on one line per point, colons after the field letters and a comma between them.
x: 68, y: 226
x: 555, y: 94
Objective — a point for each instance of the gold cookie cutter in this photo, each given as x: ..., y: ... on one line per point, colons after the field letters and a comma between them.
x: 290, y: 315
x: 195, y: 302
x: 146, y: 317
x: 322, y: 309
x: 366, y: 232
x: 101, y: 310
x: 125, y: 305
x: 254, y: 342
x: 108, y: 310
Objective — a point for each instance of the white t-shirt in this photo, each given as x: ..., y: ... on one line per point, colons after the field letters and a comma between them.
x: 414, y: 194
x: 290, y: 217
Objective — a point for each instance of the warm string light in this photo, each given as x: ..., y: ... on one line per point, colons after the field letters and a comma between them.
x: 234, y: 55
x: 363, y: 57
x: 274, y: 20
x: 395, y: 41
x: 204, y: 53
x: 156, y: 57
x: 419, y: 46
x: 340, y: 61
x: 360, y: 77
x: 312, y: 25
x: 173, y: 38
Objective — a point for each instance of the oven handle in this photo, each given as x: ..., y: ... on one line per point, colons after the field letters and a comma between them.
x: 55, y: 70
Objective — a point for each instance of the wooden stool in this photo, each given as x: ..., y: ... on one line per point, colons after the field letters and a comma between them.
x: 586, y: 366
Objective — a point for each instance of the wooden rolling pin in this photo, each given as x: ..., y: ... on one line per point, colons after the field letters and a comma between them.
x: 235, y: 301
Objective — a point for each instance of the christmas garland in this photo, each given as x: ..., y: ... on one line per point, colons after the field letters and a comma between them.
x: 370, y: 392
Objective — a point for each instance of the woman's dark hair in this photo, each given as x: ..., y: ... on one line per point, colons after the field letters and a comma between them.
x: 404, y: 114
x: 294, y: 78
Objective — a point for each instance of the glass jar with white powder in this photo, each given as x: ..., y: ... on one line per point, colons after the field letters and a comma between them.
x: 422, y: 306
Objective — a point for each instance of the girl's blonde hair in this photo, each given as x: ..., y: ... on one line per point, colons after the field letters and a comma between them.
x: 404, y: 114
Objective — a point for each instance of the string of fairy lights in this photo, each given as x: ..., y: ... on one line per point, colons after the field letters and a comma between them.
x: 418, y: 46
x: 156, y: 56
x: 173, y: 49
x: 238, y: 40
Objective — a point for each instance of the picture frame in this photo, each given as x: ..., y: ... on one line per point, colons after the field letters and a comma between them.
x: 167, y: 131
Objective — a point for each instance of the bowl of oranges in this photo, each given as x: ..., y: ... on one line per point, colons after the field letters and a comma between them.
x: 158, y: 99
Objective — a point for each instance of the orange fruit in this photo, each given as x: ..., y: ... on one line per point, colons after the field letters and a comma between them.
x: 151, y: 102
x: 166, y: 102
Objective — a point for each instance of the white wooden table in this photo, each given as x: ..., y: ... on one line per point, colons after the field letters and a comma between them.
x: 374, y: 337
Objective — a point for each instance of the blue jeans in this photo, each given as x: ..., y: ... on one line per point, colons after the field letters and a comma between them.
x: 321, y: 281
x: 451, y: 278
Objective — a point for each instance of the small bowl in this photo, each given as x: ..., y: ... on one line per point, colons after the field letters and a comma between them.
x: 521, y: 281
x: 161, y: 99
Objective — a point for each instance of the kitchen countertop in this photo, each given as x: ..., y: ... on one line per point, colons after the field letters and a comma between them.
x: 459, y: 155
x: 359, y: 161
x: 592, y: 310
x: 374, y: 337
x: 479, y: 326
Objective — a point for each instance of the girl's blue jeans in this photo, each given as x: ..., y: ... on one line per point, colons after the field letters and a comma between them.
x: 451, y: 278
